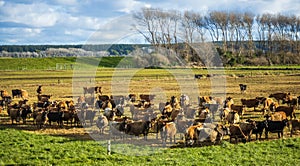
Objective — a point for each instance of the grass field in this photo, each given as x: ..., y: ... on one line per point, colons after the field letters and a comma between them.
x: 54, y: 146
x: 22, y: 148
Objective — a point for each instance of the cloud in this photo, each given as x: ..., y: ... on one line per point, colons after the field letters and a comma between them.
x: 74, y: 21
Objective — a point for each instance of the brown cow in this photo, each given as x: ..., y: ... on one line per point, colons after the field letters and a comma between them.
x: 191, y: 134
x: 267, y: 103
x: 169, y: 130
x: 236, y: 132
x: 228, y: 102
x: 250, y: 103
x: 280, y: 96
x: 289, y: 111
x: 278, y: 116
x: 240, y: 109
x: 3, y: 93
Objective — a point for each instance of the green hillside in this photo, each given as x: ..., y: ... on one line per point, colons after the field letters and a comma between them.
x: 54, y: 63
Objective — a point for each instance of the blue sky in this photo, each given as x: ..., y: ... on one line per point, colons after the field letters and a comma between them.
x: 103, y: 21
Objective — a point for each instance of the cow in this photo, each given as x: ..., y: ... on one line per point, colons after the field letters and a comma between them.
x: 3, y: 93
x: 267, y: 103
x: 203, y: 100
x: 137, y: 128
x: 260, y: 126
x: 293, y: 125
x: 250, y: 103
x: 278, y: 116
x: 168, y: 130
x: 192, y: 135
x: 228, y: 102
x: 67, y: 116
x: 240, y: 109
x: 41, y: 118
x: 14, y: 114
x: 243, y: 88
x: 236, y: 132
x: 55, y: 116
x: 25, y: 110
x: 229, y: 116
x: 247, y: 128
x: 102, y: 123
x: 16, y: 93
x: 280, y: 96
x: 289, y: 111
x: 212, y: 133
x: 291, y: 101
x: 275, y: 127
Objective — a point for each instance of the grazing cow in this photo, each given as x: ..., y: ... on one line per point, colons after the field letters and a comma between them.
x: 293, y: 125
x: 137, y: 128
x: 192, y: 135
x: 275, y: 127
x: 102, y: 123
x: 280, y: 96
x: 243, y: 88
x: 16, y: 93
x: 236, y: 132
x: 41, y: 118
x: 247, y: 128
x: 250, y: 103
x: 240, y: 109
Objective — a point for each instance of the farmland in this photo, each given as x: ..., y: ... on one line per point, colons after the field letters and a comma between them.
x: 25, y: 144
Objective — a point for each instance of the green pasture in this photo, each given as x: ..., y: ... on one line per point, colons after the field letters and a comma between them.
x: 22, y: 148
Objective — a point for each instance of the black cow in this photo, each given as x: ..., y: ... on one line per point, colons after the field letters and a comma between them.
x: 25, y: 110
x: 275, y: 127
x: 55, y: 116
x: 137, y: 128
x: 16, y: 93
x: 243, y: 87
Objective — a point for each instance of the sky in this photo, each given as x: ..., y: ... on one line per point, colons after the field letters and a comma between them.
x: 104, y: 21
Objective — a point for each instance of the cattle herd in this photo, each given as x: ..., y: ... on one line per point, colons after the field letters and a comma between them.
x: 206, y: 122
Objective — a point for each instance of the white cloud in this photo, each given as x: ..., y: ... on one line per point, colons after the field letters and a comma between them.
x: 2, y: 3
x: 37, y: 15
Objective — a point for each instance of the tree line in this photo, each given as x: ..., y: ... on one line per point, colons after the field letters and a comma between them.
x: 240, y: 37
